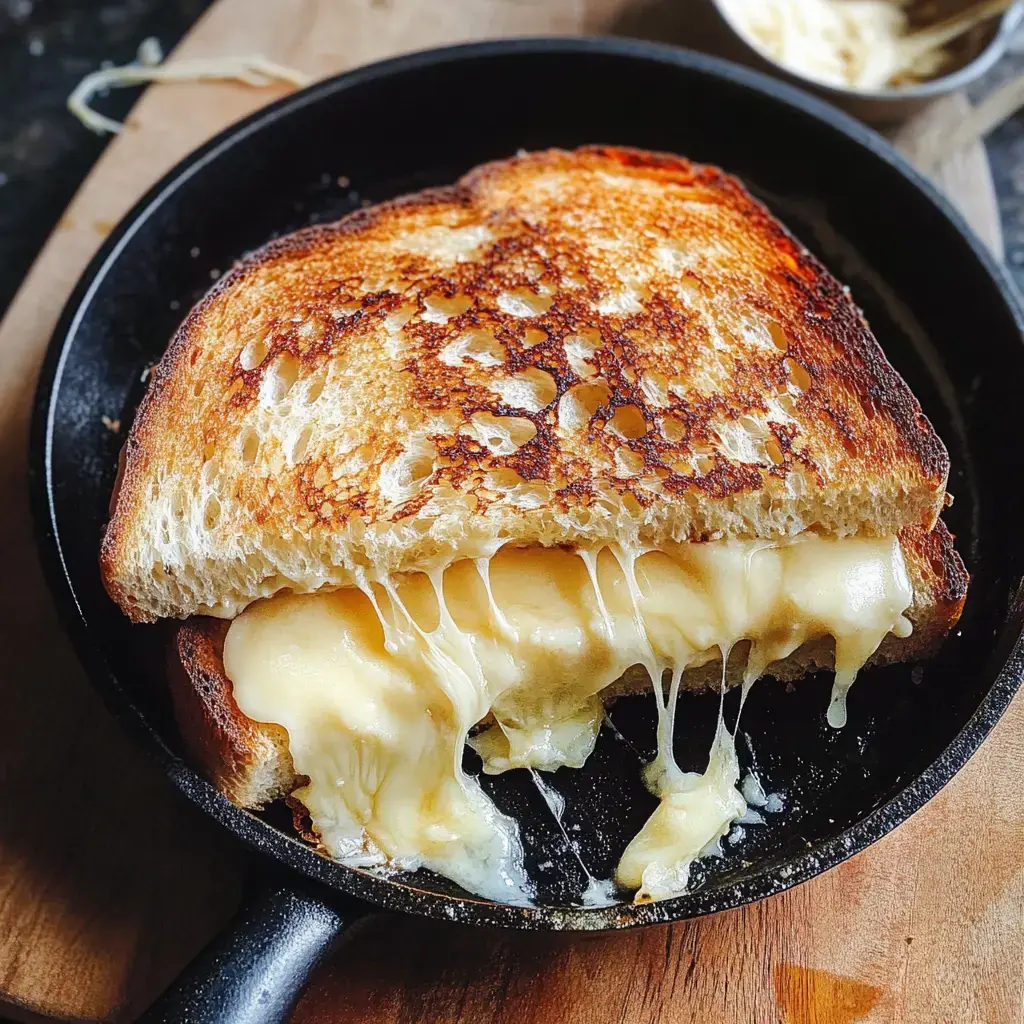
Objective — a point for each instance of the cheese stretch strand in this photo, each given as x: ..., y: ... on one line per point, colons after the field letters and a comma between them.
x: 379, y: 686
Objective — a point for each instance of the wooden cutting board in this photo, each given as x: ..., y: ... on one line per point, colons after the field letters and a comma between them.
x: 109, y: 883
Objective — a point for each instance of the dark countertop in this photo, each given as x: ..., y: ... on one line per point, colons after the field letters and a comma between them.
x: 47, y: 46
x: 1006, y: 154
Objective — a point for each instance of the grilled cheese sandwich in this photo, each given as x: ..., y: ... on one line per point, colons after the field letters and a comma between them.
x: 466, y: 466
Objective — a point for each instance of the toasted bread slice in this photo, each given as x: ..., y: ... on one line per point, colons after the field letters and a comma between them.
x: 251, y: 764
x: 596, y: 346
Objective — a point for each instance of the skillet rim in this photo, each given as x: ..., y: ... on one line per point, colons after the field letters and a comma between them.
x: 288, y: 850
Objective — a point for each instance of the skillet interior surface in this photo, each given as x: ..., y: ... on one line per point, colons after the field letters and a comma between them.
x: 942, y: 310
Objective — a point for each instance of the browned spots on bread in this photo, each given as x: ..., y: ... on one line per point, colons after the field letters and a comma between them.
x: 935, y: 549
x: 423, y: 323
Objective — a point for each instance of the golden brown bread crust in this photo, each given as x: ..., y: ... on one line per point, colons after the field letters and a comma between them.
x: 762, y: 401
x: 227, y: 745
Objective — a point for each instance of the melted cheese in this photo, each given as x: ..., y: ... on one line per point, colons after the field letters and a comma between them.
x: 696, y: 810
x: 379, y: 686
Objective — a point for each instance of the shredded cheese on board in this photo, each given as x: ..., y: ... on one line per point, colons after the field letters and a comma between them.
x: 253, y: 69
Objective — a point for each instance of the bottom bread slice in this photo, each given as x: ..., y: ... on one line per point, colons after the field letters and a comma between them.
x: 251, y: 764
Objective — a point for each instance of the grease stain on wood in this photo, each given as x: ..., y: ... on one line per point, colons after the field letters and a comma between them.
x: 809, y: 996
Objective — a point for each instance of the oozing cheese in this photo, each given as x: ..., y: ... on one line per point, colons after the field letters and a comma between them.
x: 379, y: 686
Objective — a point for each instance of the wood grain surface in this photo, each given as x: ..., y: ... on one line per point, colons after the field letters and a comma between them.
x: 109, y: 883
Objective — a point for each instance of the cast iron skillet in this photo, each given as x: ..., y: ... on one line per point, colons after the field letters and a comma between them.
x: 943, y: 310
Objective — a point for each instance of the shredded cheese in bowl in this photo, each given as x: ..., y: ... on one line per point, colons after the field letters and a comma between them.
x: 857, y: 44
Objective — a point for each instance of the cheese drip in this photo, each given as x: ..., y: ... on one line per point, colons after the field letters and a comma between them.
x: 379, y: 686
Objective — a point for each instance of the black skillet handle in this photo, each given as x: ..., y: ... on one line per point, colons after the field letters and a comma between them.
x: 253, y: 972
